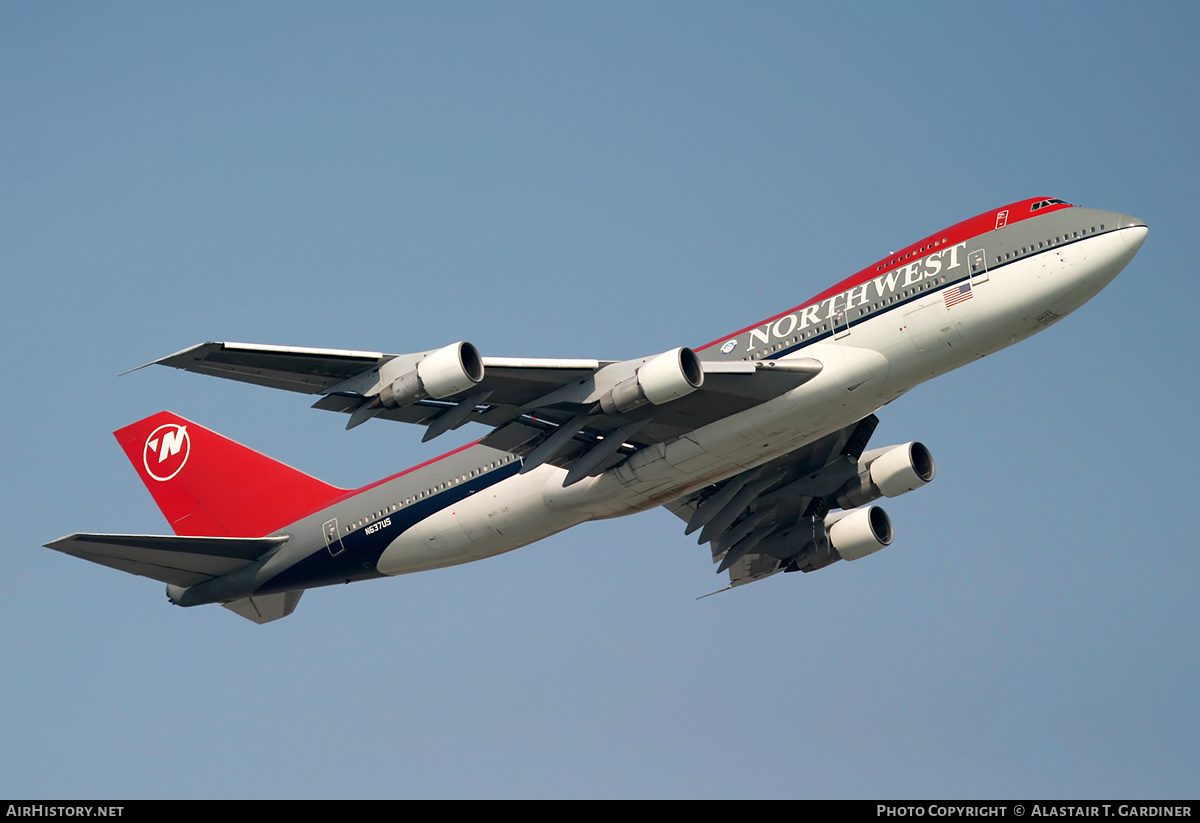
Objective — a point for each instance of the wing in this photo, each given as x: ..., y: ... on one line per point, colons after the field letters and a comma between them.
x: 181, y: 561
x: 583, y: 415
x: 773, y: 518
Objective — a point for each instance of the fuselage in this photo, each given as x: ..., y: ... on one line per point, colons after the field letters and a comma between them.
x: 946, y: 300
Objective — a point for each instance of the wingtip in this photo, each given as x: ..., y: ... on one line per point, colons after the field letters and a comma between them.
x: 163, y: 360
x: 137, y: 368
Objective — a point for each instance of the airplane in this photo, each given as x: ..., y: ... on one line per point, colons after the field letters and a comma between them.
x: 757, y: 440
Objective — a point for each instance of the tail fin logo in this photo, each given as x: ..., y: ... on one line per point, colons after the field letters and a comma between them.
x: 166, y: 451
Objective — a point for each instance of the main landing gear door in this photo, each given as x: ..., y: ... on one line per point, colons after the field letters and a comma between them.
x: 333, y: 540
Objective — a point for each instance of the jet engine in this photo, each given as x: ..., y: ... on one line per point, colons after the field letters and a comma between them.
x: 887, y: 472
x: 848, y: 535
x: 443, y: 373
x: 859, y: 532
x: 661, y: 379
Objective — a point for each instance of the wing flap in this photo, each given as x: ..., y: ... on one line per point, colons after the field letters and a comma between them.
x: 181, y: 561
x: 291, y: 368
x: 752, y: 520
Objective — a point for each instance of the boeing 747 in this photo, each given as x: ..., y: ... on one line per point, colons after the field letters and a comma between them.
x: 757, y: 440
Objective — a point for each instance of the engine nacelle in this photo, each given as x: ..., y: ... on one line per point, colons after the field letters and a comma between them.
x: 443, y: 373
x: 859, y: 532
x: 849, y: 535
x: 888, y: 472
x: 661, y: 379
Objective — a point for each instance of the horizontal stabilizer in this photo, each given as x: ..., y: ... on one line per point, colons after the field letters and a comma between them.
x: 180, y: 561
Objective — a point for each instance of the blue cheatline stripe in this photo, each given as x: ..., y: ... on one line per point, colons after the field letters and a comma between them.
x: 362, y: 550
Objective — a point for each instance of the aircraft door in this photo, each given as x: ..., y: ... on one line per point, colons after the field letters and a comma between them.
x: 841, y: 324
x: 333, y: 539
x: 977, y: 261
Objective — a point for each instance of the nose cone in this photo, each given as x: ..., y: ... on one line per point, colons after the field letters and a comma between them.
x: 1133, y: 231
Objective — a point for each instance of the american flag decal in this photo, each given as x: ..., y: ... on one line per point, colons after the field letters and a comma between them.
x: 957, y: 294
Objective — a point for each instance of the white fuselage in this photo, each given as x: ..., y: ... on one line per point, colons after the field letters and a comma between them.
x: 868, y: 365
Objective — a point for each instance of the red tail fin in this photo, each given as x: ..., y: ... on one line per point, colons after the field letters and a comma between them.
x: 207, y: 485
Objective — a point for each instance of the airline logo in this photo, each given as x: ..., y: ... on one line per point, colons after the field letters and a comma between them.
x: 166, y: 451
x: 898, y: 283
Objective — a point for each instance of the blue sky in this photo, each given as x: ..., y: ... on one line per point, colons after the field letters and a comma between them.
x: 596, y: 180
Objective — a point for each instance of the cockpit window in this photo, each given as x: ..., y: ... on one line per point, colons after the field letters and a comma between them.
x: 1041, y: 204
